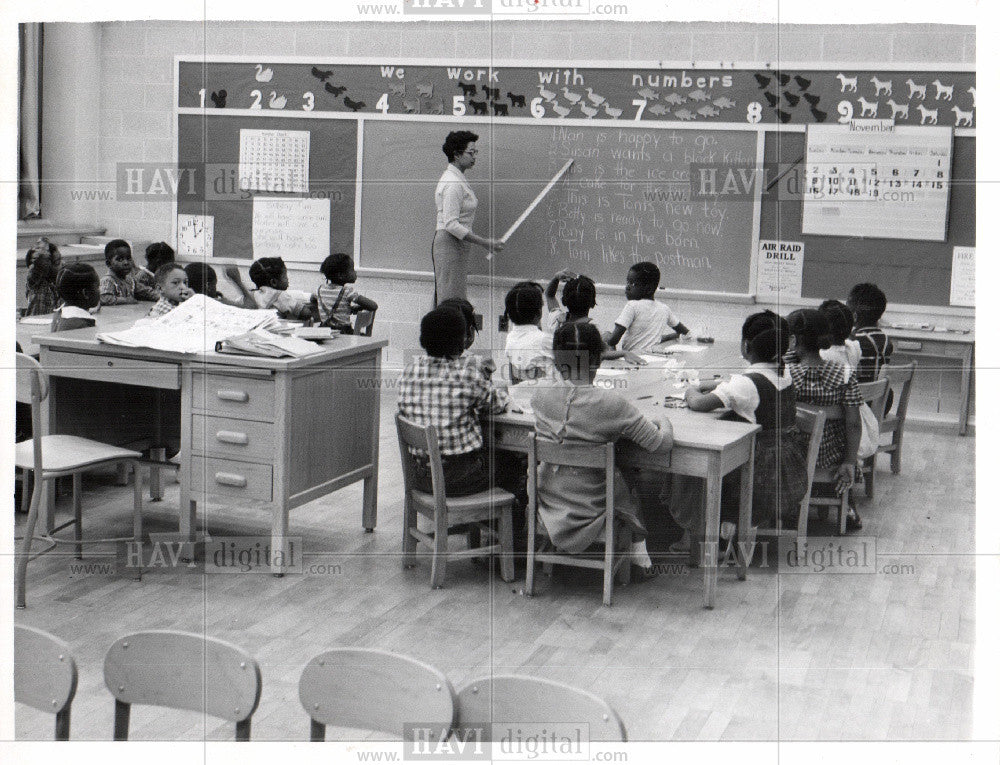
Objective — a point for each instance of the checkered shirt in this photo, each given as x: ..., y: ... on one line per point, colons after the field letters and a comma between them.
x: 161, y: 307
x: 824, y: 386
x: 451, y: 394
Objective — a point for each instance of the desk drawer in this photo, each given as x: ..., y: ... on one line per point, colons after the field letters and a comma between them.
x: 243, y: 439
x: 244, y: 397
x: 230, y: 478
x: 85, y: 366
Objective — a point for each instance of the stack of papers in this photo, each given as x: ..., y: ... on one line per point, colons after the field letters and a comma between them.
x: 260, y: 342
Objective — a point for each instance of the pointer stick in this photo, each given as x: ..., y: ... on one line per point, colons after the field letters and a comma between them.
x: 533, y: 205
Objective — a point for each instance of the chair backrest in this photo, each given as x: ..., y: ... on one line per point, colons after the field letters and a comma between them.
x: 378, y: 691
x: 507, y: 701
x: 811, y: 421
x: 364, y: 322
x: 900, y: 378
x: 874, y: 394
x: 424, y: 438
x: 586, y: 455
x: 32, y: 388
x: 45, y: 675
x: 184, y: 670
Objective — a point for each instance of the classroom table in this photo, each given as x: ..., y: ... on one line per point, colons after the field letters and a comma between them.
x: 280, y: 432
x: 704, y: 446
x: 109, y: 319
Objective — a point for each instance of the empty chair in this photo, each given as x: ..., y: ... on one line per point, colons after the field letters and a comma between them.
x: 182, y: 670
x: 447, y: 513
x: 900, y: 379
x: 45, y: 675
x: 364, y: 323
x: 52, y: 456
x: 505, y: 701
x: 363, y: 688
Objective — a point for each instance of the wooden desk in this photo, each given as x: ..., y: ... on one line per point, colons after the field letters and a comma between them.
x: 109, y: 319
x: 704, y: 446
x: 940, y: 345
x: 281, y: 432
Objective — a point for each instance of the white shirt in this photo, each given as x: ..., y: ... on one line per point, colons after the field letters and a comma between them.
x: 283, y: 301
x: 554, y: 319
x: 740, y: 394
x: 456, y: 203
x: 527, y: 345
x: 645, y: 322
x: 848, y: 354
x: 74, y: 312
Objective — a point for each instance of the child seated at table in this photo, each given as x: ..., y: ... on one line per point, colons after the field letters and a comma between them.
x: 271, y: 278
x: 157, y: 254
x: 119, y: 286
x: 337, y: 299
x: 528, y: 349
x: 643, y: 322
x: 173, y: 283
x: 571, y: 500
x: 203, y: 280
x: 43, y: 262
x: 79, y: 288
x: 867, y: 302
x: 842, y: 347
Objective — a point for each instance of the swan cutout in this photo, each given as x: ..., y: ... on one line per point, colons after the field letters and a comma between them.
x: 276, y: 101
x: 263, y: 75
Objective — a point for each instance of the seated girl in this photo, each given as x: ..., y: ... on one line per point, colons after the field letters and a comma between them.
x: 842, y: 347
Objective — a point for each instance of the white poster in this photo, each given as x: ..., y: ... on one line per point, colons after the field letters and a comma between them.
x: 963, y: 276
x: 291, y: 228
x: 195, y: 236
x: 274, y: 161
x: 779, y: 269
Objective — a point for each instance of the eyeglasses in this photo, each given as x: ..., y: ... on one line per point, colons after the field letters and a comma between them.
x: 471, y: 152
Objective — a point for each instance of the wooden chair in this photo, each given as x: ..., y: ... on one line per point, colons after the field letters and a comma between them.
x: 364, y: 322
x: 503, y: 700
x: 612, y: 561
x: 364, y: 688
x: 182, y: 670
x: 875, y: 395
x: 900, y: 380
x: 45, y: 675
x: 476, y: 509
x: 48, y: 457
x: 811, y: 422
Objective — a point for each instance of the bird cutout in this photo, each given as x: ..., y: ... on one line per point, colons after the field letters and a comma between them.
x: 847, y: 84
x: 962, y: 117
x: 499, y: 109
x: 771, y: 98
x: 436, y: 108
x: 611, y: 112
x: 927, y: 116
x: 478, y: 107
x: 708, y: 111
x: 973, y: 92
x: 899, y: 111
x: 548, y: 95
x: 882, y: 87
x: 791, y: 98
x: 724, y: 103
x: 782, y: 115
x: 944, y: 92
x: 648, y: 94
x: 562, y: 111
x: 676, y: 99
x: 595, y: 99
x: 784, y: 79
x: 425, y: 90
x: 572, y: 97
x: 276, y: 101
x: 590, y: 111
x: 916, y: 90
x: 684, y: 114
x: 322, y: 74
x: 817, y: 114
x: 353, y: 105
x: 334, y: 90
x: 515, y: 100
x: 762, y: 81
x: 698, y: 95
x: 493, y: 93
x: 813, y: 100
x: 411, y: 106
x: 219, y: 99
x: 658, y: 109
x: 868, y: 108
x: 467, y: 90
x: 397, y: 88
x: 802, y: 82
x: 263, y: 75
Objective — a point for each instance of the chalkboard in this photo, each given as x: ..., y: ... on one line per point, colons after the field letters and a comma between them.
x: 910, y: 272
x: 209, y: 146
x: 626, y: 199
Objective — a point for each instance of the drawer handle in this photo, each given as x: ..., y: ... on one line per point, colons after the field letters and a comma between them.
x: 233, y: 395
x: 908, y: 345
x: 233, y: 437
x: 231, y: 479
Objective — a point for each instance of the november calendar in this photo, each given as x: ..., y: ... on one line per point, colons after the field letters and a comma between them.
x: 876, y: 179
x: 274, y: 161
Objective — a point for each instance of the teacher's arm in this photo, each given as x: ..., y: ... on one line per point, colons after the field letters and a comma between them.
x: 451, y: 201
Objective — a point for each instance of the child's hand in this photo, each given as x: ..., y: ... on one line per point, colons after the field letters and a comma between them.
x: 844, y: 477
x: 565, y: 275
x: 232, y: 273
x: 633, y: 358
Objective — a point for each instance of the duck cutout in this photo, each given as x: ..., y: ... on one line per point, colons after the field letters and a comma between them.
x: 802, y: 82
x: 562, y: 111
x: 334, y: 90
x: 724, y: 103
x: 548, y: 95
x: 322, y: 74
x: 219, y: 99
x: 595, y: 99
x: 276, y: 101
x: 263, y: 75
x: 698, y: 95
x: 590, y: 111
x: 353, y: 105
x: 612, y: 113
x: 572, y: 97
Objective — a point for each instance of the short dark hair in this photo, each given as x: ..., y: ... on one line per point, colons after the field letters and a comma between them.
x: 811, y: 329
x: 157, y: 254
x: 42, y: 246
x: 113, y: 246
x: 579, y: 295
x: 576, y: 347
x: 464, y: 307
x: 523, y: 304
x: 74, y: 279
x: 336, y: 265
x: 442, y: 332
x: 456, y: 143
x: 201, y: 277
x: 264, y: 270
x: 164, y: 271
x: 840, y: 318
x: 646, y: 274
x: 767, y: 337
x: 867, y: 302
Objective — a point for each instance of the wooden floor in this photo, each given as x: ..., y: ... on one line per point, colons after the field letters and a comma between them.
x: 786, y: 656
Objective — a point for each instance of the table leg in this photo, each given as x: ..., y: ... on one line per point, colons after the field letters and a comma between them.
x: 279, y: 530
x: 963, y: 412
x: 744, y: 541
x: 710, y: 545
x: 369, y: 506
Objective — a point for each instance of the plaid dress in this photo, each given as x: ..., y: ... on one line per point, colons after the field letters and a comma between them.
x: 824, y: 386
x: 161, y: 307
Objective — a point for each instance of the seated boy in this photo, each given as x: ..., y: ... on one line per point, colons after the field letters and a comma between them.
x: 271, y: 277
x: 868, y: 302
x: 79, y: 287
x: 173, y: 283
x: 119, y: 286
x: 157, y: 254
x: 643, y: 322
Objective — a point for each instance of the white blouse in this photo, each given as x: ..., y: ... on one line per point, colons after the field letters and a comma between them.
x: 456, y: 203
x: 740, y: 394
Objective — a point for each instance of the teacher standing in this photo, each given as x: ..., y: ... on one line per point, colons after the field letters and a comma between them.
x: 456, y: 209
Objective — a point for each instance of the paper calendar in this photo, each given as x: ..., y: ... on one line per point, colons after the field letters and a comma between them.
x: 274, y: 161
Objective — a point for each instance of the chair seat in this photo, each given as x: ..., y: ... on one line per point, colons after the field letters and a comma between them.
x: 62, y: 453
x: 459, y: 508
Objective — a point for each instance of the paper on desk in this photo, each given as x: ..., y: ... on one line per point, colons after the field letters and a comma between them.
x: 43, y: 319
x: 611, y: 372
x: 685, y: 348
x: 195, y: 326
